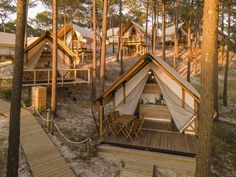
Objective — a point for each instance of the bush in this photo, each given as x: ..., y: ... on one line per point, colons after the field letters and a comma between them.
x: 5, y: 93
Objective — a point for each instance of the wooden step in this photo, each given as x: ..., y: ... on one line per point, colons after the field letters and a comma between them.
x: 179, y: 164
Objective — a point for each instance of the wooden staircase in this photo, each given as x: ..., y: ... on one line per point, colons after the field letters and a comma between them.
x: 140, y: 163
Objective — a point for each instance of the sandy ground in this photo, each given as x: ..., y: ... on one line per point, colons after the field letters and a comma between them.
x: 24, y: 170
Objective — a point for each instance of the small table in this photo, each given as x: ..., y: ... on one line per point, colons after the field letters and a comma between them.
x: 124, y: 120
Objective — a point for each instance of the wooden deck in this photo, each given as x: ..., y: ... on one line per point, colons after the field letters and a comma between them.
x: 43, y: 157
x: 159, y: 141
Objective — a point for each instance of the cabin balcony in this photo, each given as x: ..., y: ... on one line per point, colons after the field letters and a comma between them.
x: 78, y: 45
x: 133, y: 39
x: 43, y: 77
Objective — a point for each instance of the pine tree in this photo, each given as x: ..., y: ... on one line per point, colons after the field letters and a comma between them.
x: 103, y: 49
x: 163, y: 30
x: 209, y: 54
x: 54, y: 61
x: 14, y: 129
x: 225, y: 90
x: 94, y: 51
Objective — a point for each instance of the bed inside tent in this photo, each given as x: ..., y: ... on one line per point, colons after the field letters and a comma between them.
x: 154, y: 91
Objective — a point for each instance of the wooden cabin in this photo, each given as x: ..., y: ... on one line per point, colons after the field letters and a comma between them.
x: 78, y: 39
x: 134, y: 38
x: 163, y: 105
x: 38, y: 64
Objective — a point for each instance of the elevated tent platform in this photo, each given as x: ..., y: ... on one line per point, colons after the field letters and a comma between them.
x: 158, y: 141
x: 153, y: 92
x: 38, y: 64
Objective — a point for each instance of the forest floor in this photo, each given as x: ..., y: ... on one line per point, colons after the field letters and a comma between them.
x: 76, y: 122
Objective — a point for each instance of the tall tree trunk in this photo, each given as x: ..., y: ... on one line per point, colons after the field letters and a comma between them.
x: 222, y: 47
x: 176, y: 37
x: 112, y: 26
x: 14, y: 129
x: 65, y: 24
x: 189, y: 53
x: 155, y: 27
x: 103, y: 51
x: 225, y: 91
x: 146, y: 33
x: 94, y: 52
x: 121, y: 40
x: 163, y: 31
x: 209, y: 54
x: 54, y: 61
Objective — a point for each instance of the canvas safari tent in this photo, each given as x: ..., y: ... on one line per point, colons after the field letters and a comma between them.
x: 152, y: 89
x: 112, y: 35
x: 38, y: 63
x: 76, y: 37
x: 134, y: 38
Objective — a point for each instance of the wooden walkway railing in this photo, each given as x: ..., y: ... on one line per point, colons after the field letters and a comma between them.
x: 43, y: 157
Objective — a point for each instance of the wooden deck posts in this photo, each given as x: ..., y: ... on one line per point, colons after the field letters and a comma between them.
x: 101, y: 117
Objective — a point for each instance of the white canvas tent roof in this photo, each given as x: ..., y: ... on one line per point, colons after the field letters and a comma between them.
x: 171, y: 84
x: 127, y: 27
x: 84, y: 32
x: 34, y: 51
x: 109, y: 32
x: 170, y: 31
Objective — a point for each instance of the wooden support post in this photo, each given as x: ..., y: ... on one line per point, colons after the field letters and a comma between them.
x: 34, y: 77
x: 89, y: 76
x: 183, y: 98
x: 101, y: 116
x: 124, y: 93
x: 52, y: 125
x: 113, y: 102
x: 48, y: 120
x: 48, y: 77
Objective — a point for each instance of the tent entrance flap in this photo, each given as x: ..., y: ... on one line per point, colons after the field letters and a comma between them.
x: 181, y: 115
x: 132, y: 99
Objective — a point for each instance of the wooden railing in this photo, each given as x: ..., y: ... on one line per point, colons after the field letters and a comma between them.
x: 133, y: 38
x: 64, y: 77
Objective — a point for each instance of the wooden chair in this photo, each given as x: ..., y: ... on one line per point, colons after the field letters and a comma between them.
x: 140, y: 125
x: 110, y: 126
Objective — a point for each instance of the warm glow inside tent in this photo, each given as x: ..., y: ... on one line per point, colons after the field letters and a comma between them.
x: 179, y: 95
x: 42, y: 45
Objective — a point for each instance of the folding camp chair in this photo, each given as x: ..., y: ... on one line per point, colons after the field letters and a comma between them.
x: 110, y: 126
x: 140, y: 125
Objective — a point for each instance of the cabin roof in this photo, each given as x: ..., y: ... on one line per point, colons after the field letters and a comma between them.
x: 7, y: 39
x: 145, y: 59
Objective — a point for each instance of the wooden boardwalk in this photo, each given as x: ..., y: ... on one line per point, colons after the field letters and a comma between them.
x: 43, y: 157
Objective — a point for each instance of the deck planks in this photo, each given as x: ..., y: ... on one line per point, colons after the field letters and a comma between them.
x: 43, y: 157
x: 171, y: 142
